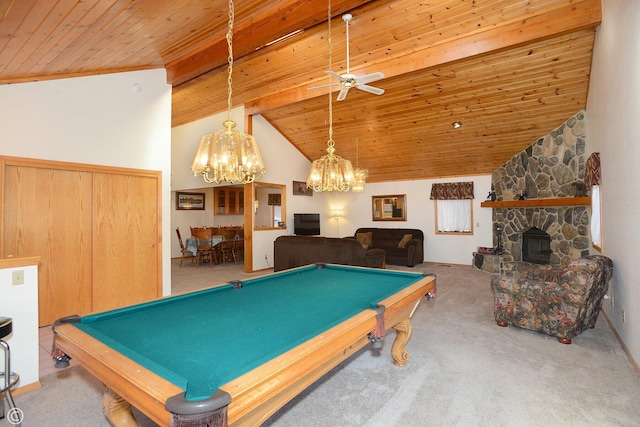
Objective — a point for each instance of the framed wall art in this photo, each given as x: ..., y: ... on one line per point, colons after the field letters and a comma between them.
x: 189, y: 201
x: 300, y: 189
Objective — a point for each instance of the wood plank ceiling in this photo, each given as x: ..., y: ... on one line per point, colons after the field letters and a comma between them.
x: 509, y: 70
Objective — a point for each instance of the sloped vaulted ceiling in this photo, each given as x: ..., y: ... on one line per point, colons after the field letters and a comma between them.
x: 509, y: 70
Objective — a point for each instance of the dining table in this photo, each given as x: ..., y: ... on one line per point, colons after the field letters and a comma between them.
x: 192, y: 243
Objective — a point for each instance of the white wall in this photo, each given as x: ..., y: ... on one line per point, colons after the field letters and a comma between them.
x: 20, y: 303
x: 612, y: 129
x: 98, y: 120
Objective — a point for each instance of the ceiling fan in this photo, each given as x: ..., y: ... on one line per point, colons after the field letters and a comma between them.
x: 349, y: 80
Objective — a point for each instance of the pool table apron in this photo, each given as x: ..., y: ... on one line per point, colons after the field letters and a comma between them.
x: 259, y: 393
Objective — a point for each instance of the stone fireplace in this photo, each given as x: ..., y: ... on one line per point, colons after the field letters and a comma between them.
x: 551, y: 168
x: 567, y: 227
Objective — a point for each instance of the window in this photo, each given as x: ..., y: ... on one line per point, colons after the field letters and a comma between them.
x: 453, y: 207
x: 596, y: 228
x: 454, y: 216
x: 592, y: 179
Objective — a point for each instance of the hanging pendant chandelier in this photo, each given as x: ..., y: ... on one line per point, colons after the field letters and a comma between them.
x: 331, y: 172
x: 228, y: 155
x: 361, y: 179
x: 360, y: 175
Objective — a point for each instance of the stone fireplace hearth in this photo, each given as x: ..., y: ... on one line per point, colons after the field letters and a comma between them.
x: 551, y: 168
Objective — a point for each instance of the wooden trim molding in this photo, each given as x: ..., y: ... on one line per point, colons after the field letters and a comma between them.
x: 19, y: 262
x: 71, y: 166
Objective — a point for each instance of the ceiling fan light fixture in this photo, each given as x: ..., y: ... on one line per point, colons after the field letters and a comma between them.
x: 349, y: 80
x: 228, y: 155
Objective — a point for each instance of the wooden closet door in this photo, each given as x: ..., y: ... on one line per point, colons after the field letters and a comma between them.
x: 126, y: 243
x: 47, y: 213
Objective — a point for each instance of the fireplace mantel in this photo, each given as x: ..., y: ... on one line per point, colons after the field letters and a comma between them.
x: 532, y: 203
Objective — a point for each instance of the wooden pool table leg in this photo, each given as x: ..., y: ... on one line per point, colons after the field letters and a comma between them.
x: 117, y: 410
x: 398, y: 352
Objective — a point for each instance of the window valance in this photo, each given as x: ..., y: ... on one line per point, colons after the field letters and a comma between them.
x: 592, y: 170
x: 452, y: 191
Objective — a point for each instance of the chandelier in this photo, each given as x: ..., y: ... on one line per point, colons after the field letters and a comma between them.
x: 228, y: 155
x: 331, y: 172
x: 360, y: 175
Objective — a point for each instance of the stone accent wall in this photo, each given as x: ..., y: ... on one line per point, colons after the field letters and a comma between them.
x: 551, y: 167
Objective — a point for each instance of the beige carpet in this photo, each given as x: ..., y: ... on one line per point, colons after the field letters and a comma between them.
x: 463, y: 371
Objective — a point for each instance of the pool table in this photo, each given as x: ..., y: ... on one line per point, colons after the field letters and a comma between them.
x: 237, y: 352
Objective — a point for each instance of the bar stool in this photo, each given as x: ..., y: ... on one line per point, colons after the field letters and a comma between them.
x: 10, y: 378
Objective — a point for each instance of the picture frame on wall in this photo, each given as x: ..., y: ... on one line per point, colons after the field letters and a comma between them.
x: 389, y: 208
x: 190, y: 201
x: 300, y: 189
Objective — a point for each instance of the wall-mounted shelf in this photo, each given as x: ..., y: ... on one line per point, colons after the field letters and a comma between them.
x: 534, y: 203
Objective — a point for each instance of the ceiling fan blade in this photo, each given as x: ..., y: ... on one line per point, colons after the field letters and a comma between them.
x: 343, y: 94
x: 368, y: 78
x: 336, y: 75
x: 371, y: 89
x: 322, y: 86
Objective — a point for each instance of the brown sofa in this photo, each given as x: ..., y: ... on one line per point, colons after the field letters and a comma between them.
x: 388, y: 239
x: 296, y: 251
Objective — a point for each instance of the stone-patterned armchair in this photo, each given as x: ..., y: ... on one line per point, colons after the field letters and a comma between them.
x: 558, y: 303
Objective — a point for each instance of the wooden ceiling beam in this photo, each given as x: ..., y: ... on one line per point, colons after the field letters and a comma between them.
x: 584, y: 14
x: 278, y: 21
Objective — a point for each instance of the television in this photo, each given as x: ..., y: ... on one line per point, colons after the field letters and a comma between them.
x: 306, y: 224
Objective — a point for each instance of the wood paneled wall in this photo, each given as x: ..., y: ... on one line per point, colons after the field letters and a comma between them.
x: 96, y: 230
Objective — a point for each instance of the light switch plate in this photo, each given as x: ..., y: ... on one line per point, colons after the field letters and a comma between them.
x: 17, y: 277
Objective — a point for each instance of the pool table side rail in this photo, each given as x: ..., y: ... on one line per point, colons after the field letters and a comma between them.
x: 141, y: 387
x: 259, y: 393
x: 400, y: 305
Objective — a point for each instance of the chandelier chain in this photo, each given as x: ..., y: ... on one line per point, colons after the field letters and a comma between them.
x: 330, y: 143
x: 230, y: 56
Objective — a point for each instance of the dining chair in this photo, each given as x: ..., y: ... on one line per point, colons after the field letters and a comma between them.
x: 215, y: 240
x: 239, y: 241
x: 185, y: 252
x: 228, y: 245
x: 205, y: 250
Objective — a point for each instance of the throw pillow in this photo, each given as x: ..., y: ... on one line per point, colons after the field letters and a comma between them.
x: 364, y: 239
x: 405, y: 240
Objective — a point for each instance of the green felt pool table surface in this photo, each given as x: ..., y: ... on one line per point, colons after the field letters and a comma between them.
x: 203, y: 340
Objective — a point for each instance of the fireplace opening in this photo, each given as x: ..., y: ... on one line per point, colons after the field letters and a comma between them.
x: 536, y: 246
